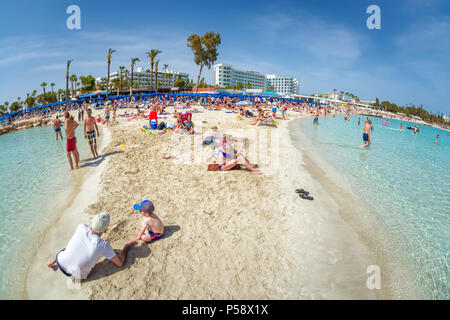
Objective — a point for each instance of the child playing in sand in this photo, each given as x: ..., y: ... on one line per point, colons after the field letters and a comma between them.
x: 152, y: 227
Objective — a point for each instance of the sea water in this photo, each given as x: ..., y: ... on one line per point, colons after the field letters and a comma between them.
x: 34, y: 174
x: 405, y: 179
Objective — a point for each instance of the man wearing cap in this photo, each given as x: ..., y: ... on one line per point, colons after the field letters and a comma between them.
x: 86, y: 247
x: 152, y: 227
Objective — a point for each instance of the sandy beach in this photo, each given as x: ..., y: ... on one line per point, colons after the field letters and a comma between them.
x: 229, y: 235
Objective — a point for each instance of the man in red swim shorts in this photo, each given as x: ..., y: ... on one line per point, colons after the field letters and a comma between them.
x: 70, y: 125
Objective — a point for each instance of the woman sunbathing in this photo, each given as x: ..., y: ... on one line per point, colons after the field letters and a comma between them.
x: 229, y: 157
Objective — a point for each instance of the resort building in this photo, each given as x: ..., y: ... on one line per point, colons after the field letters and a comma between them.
x: 331, y: 96
x: 283, y: 85
x: 166, y: 79
x: 226, y: 76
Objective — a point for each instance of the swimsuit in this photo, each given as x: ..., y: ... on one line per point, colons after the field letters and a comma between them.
x: 365, y: 137
x: 91, y: 136
x: 154, y: 236
x: 71, y: 144
x: 316, y: 119
x: 57, y: 129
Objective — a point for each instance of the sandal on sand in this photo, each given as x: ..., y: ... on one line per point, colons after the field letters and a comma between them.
x: 302, y: 191
x: 306, y: 197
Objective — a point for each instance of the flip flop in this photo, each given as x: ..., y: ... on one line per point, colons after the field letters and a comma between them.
x: 306, y: 197
x: 300, y: 191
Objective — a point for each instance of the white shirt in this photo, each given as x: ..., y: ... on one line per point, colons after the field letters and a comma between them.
x: 83, y: 251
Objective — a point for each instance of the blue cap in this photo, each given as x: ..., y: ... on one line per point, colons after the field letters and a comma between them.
x: 145, y: 205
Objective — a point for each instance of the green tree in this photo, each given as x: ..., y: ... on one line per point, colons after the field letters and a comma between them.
x: 179, y: 83
x: 152, y: 55
x: 156, y: 74
x: 43, y: 85
x: 15, y: 106
x: 133, y: 62
x: 73, y: 78
x: 108, y: 59
x: 271, y: 88
x: 67, y: 78
x: 88, y: 83
x: 204, y: 49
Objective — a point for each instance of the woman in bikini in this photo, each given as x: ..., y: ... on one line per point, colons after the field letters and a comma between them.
x: 229, y: 157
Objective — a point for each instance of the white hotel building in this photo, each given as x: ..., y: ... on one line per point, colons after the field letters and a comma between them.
x: 226, y: 76
x: 283, y: 85
x: 143, y: 78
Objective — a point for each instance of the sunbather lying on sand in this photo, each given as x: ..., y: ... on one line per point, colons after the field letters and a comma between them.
x: 229, y: 157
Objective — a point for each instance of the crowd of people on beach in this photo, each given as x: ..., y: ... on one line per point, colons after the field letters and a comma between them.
x: 86, y: 246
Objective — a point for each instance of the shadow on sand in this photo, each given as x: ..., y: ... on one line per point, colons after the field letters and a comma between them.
x: 106, y: 268
x: 95, y: 163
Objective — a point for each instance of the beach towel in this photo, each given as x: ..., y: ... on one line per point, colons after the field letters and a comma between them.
x: 215, y: 167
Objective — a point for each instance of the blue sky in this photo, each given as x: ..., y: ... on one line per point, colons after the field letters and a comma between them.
x: 324, y: 44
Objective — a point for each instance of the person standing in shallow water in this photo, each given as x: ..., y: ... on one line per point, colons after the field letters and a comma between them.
x: 57, y: 127
x: 70, y: 125
x: 366, y: 134
x: 437, y: 137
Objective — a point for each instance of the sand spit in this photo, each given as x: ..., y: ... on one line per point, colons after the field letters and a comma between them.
x: 229, y: 235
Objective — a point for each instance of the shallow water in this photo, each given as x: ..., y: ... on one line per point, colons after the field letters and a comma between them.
x: 34, y: 173
x: 405, y: 179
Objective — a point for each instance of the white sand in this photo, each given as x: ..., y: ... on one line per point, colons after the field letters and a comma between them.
x: 229, y: 235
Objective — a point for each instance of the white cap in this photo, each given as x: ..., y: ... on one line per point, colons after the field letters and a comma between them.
x: 100, y: 222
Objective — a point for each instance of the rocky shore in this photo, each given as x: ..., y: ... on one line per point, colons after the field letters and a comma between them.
x: 25, y: 124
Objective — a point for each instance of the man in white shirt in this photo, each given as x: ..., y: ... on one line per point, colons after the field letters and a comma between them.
x: 86, y: 247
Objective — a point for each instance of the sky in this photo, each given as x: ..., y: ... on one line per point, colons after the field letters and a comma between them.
x: 325, y: 44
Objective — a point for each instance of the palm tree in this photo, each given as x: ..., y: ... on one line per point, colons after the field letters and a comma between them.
x: 148, y: 72
x: 116, y: 82
x: 152, y: 55
x: 133, y: 61
x: 67, y: 78
x: 126, y: 82
x: 43, y: 85
x: 73, y: 79
x: 166, y: 75
x: 52, y: 85
x: 121, y: 72
x: 108, y: 57
x: 156, y: 74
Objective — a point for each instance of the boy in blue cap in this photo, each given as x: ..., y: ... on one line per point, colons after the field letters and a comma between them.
x: 152, y: 227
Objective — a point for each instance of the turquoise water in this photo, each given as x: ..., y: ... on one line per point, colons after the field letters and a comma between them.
x: 405, y: 178
x: 34, y: 172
